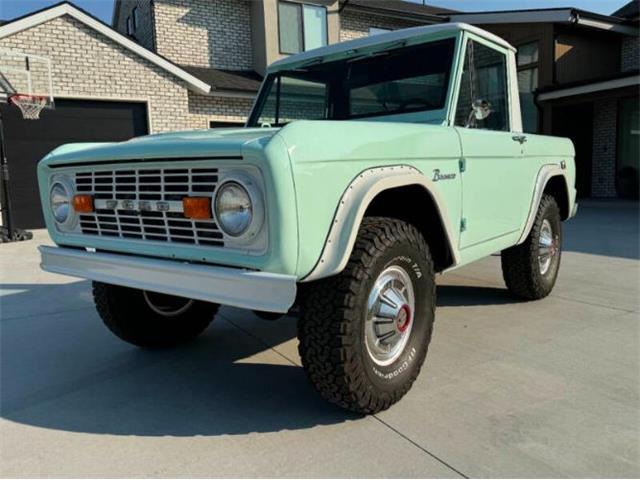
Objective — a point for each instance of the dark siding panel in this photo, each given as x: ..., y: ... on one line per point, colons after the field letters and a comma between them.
x: 72, y: 121
x: 581, y: 57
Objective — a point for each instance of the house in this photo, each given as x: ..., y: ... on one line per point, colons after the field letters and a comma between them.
x: 229, y: 43
x: 165, y: 65
x: 179, y: 64
x: 579, y: 78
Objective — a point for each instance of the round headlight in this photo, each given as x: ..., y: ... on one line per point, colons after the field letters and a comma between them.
x: 233, y: 208
x: 60, y: 202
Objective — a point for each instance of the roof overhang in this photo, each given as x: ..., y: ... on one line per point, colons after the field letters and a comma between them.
x: 595, y: 87
x: 552, y: 15
x: 380, y: 9
x: 43, y: 16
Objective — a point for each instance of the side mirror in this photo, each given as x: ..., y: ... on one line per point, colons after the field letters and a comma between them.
x: 480, y: 109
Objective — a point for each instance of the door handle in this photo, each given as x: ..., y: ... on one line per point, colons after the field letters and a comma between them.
x: 519, y: 138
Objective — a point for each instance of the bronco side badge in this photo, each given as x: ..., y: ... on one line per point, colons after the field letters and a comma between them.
x: 442, y: 176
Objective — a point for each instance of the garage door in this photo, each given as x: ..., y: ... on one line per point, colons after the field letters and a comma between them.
x: 72, y: 121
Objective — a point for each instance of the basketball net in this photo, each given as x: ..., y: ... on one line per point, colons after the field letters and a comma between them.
x: 29, y: 105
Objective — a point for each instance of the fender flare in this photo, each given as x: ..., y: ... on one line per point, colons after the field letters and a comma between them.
x: 546, y: 173
x: 351, y: 209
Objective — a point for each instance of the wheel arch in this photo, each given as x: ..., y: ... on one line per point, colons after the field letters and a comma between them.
x: 370, y: 193
x: 552, y: 180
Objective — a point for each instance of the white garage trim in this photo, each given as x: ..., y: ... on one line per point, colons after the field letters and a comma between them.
x: 43, y: 16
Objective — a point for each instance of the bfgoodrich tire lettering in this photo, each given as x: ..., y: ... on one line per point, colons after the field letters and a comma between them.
x: 127, y: 313
x: 331, y: 328
x: 524, y: 273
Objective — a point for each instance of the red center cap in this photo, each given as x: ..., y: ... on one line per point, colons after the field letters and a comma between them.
x: 404, y: 318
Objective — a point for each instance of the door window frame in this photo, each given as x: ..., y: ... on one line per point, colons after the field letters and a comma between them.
x: 514, y: 121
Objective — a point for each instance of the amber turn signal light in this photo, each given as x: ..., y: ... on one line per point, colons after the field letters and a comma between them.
x: 83, y: 203
x: 197, y: 207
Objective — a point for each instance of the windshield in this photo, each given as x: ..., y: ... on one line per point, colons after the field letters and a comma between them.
x: 387, y: 83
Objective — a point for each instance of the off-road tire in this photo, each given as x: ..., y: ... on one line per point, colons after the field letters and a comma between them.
x: 333, y: 314
x: 126, y: 313
x: 520, y: 268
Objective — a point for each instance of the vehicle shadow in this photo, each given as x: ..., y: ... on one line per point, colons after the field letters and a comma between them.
x: 62, y: 369
x: 65, y: 371
x: 467, y: 296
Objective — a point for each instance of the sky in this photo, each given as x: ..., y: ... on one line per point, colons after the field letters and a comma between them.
x: 102, y: 9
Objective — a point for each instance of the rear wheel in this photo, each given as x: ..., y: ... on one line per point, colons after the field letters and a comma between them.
x: 531, y: 268
x: 364, y: 333
x: 149, y: 319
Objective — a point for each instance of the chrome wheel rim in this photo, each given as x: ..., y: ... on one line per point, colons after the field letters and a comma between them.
x: 547, y: 247
x: 166, y: 305
x: 390, y: 315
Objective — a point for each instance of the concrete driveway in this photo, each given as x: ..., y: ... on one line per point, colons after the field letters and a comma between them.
x: 510, y: 389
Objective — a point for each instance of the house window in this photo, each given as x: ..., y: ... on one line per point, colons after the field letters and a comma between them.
x: 225, y: 124
x: 134, y: 18
x: 377, y: 31
x: 527, y: 60
x: 484, y: 77
x: 301, y: 27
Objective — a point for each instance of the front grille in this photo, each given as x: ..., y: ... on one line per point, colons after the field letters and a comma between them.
x: 146, y: 204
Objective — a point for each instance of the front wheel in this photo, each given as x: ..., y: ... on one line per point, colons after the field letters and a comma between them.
x: 148, y: 319
x: 531, y: 268
x: 364, y: 333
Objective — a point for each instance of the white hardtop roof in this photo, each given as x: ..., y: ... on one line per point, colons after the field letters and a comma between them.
x: 420, y: 34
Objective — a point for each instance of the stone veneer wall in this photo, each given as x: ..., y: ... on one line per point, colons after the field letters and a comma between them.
x: 207, y: 33
x: 87, y: 64
x: 356, y: 24
x: 204, y: 109
x: 604, y: 148
x: 630, y: 53
x: 143, y: 33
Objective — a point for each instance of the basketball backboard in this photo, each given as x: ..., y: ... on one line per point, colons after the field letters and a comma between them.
x: 26, y: 81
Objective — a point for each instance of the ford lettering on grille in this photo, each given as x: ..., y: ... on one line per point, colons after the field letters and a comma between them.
x: 146, y: 204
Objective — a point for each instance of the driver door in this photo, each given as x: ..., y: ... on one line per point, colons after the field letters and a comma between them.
x: 492, y: 154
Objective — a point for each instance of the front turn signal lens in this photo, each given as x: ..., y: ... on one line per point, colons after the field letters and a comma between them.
x: 83, y: 203
x: 198, y: 208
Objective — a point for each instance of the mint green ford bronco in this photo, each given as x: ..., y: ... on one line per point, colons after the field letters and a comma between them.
x: 365, y: 168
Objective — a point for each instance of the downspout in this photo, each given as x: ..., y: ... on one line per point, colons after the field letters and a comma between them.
x: 152, y: 8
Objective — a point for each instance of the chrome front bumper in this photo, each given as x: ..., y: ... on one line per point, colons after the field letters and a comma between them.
x: 267, y: 292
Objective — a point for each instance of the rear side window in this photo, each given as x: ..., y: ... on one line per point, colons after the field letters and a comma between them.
x: 406, y: 81
x: 484, y: 78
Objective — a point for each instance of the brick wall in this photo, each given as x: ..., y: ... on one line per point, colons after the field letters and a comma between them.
x: 604, y: 149
x: 630, y: 54
x: 209, y: 33
x: 204, y: 109
x: 356, y: 24
x: 88, y: 64
x: 143, y: 33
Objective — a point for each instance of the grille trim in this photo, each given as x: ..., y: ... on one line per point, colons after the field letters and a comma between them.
x: 145, y: 203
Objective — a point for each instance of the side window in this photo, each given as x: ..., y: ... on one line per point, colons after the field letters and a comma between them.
x: 483, y: 101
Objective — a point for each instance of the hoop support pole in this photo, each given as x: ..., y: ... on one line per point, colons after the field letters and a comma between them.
x: 4, y: 173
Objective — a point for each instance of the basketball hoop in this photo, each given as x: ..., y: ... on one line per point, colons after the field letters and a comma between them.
x: 29, y: 105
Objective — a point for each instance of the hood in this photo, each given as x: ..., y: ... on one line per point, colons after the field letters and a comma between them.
x: 221, y: 142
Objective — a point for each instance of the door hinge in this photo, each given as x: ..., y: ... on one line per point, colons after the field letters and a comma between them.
x: 462, y: 163
x: 463, y: 224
